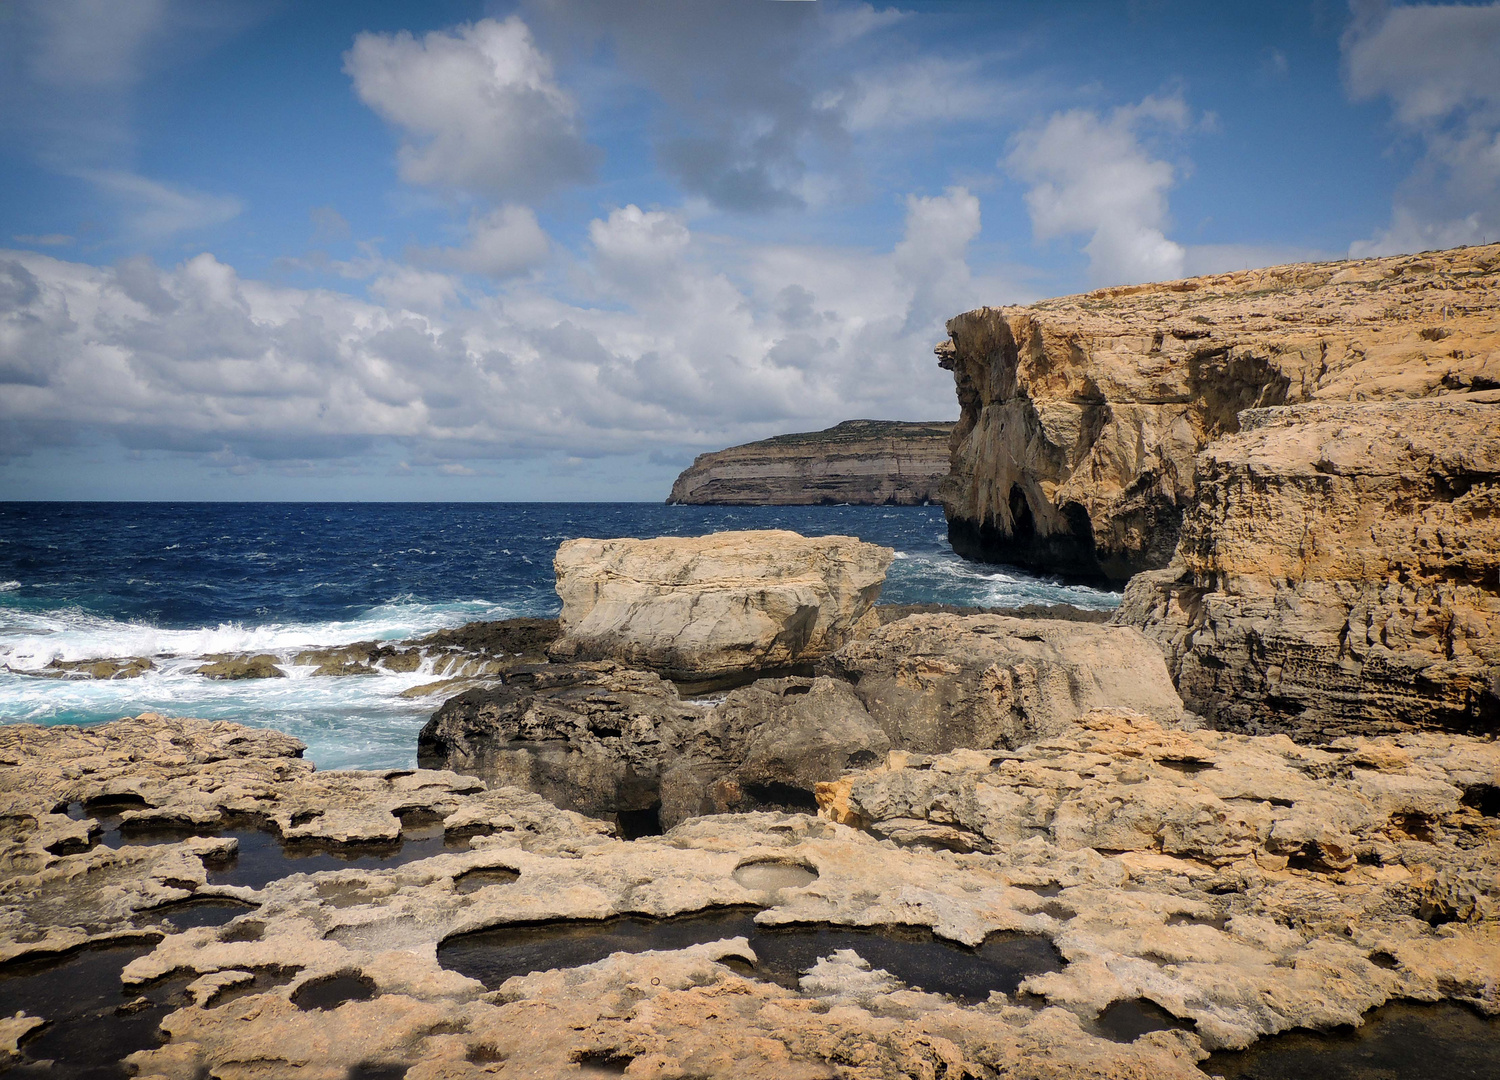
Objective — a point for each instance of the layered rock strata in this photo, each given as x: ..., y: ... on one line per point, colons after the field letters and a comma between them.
x: 1339, y: 571
x: 613, y: 742
x: 861, y: 462
x: 1163, y: 864
x: 1081, y: 416
x: 704, y: 607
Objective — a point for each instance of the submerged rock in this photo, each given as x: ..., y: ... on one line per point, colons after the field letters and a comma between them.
x: 131, y: 667
x: 1339, y: 572
x: 706, y: 607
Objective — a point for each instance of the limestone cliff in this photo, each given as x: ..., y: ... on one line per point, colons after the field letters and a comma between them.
x: 1082, y: 416
x: 1339, y: 571
x: 867, y: 462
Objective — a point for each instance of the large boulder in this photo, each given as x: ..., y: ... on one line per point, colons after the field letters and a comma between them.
x: 706, y: 607
x: 591, y: 737
x: 936, y: 682
x: 1339, y: 572
x: 769, y: 745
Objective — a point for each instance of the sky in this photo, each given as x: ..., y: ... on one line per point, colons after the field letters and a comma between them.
x: 552, y: 249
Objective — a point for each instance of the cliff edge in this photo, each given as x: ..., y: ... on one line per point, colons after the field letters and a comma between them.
x: 1082, y: 416
x: 866, y: 462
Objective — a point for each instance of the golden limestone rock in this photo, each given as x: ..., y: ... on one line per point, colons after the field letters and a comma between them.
x: 1082, y: 416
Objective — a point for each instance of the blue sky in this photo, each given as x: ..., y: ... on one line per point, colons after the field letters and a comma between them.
x: 269, y: 249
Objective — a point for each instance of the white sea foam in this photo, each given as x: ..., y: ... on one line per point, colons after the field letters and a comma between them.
x: 31, y: 640
x: 9, y: 586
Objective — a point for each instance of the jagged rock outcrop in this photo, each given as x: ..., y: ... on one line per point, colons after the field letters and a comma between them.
x: 864, y: 462
x: 768, y: 745
x: 936, y: 682
x: 706, y: 607
x: 607, y: 740
x: 1081, y: 416
x: 591, y: 737
x: 1339, y: 572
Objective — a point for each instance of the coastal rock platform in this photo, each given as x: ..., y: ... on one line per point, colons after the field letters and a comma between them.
x: 1237, y: 915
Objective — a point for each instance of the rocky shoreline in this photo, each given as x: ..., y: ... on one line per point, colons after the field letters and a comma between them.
x: 966, y: 845
x: 729, y: 816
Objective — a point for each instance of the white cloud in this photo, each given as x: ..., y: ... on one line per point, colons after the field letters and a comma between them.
x: 1093, y: 175
x: 150, y: 210
x: 479, y: 107
x: 1440, y: 68
x: 500, y: 244
x: 927, y: 90
x: 688, y: 342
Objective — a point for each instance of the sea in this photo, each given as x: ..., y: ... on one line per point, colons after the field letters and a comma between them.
x: 177, y: 581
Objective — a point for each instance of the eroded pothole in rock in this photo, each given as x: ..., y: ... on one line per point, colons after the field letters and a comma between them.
x: 186, y: 914
x: 262, y: 856
x: 913, y: 955
x: 1126, y: 1021
x: 1400, y: 1041
x: 92, y: 1020
x: 482, y: 877
x: 772, y: 875
x: 331, y: 991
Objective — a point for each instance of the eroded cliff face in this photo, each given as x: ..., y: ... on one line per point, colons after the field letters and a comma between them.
x: 1082, y: 416
x: 1339, y: 572
x: 865, y: 462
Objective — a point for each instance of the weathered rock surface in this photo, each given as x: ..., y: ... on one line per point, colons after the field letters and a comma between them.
x: 862, y: 462
x: 234, y: 666
x: 705, y: 607
x: 591, y: 737
x: 130, y: 667
x: 768, y: 745
x: 1157, y: 877
x: 936, y: 682
x: 1246, y: 883
x: 1339, y: 572
x: 1081, y: 416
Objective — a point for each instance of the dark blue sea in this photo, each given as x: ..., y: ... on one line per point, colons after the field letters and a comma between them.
x: 178, y: 581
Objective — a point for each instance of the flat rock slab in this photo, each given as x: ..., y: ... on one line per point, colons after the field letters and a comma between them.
x: 702, y: 607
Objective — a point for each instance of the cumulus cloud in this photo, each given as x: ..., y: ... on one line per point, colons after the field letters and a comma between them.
x: 673, y: 350
x: 500, y: 244
x: 479, y: 109
x: 1094, y: 175
x: 1439, y: 66
x: 746, y: 122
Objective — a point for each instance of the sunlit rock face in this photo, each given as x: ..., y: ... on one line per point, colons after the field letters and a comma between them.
x: 1082, y: 416
x: 859, y: 462
x: 1339, y: 571
x: 702, y: 607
